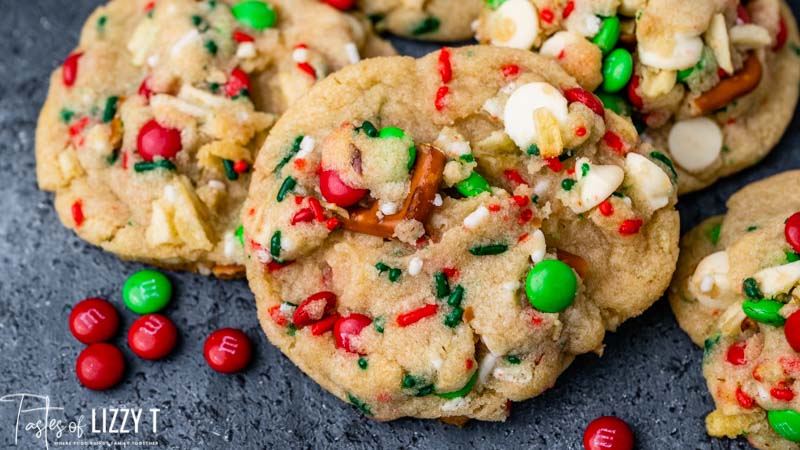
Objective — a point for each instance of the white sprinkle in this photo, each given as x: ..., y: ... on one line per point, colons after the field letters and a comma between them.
x: 454, y: 404
x: 231, y: 244
x: 541, y: 187
x: 388, y: 208
x: 352, y: 52
x: 511, y: 285
x: 437, y: 363
x: 707, y: 284
x: 476, y: 218
x: 486, y: 367
x: 306, y: 147
x: 300, y: 55
x: 216, y: 184
x: 152, y: 60
x: 287, y: 244
x: 188, y: 38
x: 437, y: 201
x: 762, y: 393
x: 539, y: 247
x: 459, y: 148
x: 509, y: 88
x: 414, y: 266
x: 263, y: 256
x: 169, y: 193
x: 627, y: 200
x: 494, y: 108
x: 286, y: 308
x: 246, y: 50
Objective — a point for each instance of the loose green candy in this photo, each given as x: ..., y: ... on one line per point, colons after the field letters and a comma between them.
x: 615, y: 103
x: 146, y: 292
x: 551, y: 286
x: 463, y: 391
x: 617, y: 70
x: 255, y: 14
x: 764, y: 311
x: 473, y: 185
x: 494, y: 4
x: 394, y: 132
x: 608, y: 35
x: 786, y: 423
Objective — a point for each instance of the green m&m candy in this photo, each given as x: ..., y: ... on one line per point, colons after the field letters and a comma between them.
x: 551, y: 286
x: 617, y: 70
x: 146, y: 292
x: 608, y: 35
x: 764, y: 311
x: 786, y: 423
x: 615, y: 103
x: 473, y: 185
x: 394, y: 132
x: 463, y: 391
x: 255, y: 14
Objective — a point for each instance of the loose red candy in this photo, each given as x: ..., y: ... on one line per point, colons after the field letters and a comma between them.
x: 314, y: 309
x: 93, y: 320
x: 343, y: 5
x: 791, y: 231
x: 348, y: 327
x: 100, y: 366
x: 144, y: 89
x: 69, y: 73
x: 791, y: 329
x: 782, y: 36
x: 157, y: 141
x: 608, y: 433
x: 735, y: 354
x: 336, y: 191
x: 587, y: 98
x: 239, y: 81
x: 228, y: 350
x: 152, y: 336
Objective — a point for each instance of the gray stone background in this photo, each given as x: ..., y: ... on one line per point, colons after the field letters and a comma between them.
x: 650, y: 374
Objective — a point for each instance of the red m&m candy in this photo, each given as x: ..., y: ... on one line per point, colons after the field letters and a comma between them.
x: 608, y: 433
x: 100, y: 366
x: 154, y: 140
x: 348, y: 327
x: 337, y: 192
x: 343, y: 5
x: 152, y: 336
x: 791, y: 231
x: 93, y: 320
x: 791, y: 329
x: 228, y: 350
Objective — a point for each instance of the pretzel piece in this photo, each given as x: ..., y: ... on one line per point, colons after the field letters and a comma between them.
x: 425, y: 182
x: 729, y: 89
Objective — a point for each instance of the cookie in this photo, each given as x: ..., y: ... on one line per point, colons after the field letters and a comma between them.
x: 712, y: 84
x: 433, y: 20
x: 438, y: 237
x: 150, y: 127
x: 733, y: 293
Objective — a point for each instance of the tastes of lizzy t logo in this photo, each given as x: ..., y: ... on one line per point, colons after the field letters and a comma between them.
x: 37, y: 420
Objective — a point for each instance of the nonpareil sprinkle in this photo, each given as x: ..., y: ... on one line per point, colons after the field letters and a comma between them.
x: 567, y: 184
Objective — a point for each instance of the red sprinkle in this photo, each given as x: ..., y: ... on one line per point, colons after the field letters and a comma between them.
x: 469, y: 364
x: 416, y: 315
x: 742, y: 14
x: 580, y: 132
x: 632, y: 94
x: 149, y: 7
x: 568, y: 9
x: 494, y: 207
x: 451, y: 273
x: 781, y: 392
x: 514, y: 176
x: 303, y: 216
x: 77, y: 127
x: 144, y: 89
x: 445, y: 69
x: 630, y: 227
x: 546, y: 15
x: 316, y: 207
x: 554, y: 164
x: 239, y: 81
x: 274, y: 266
x: 735, y: 353
x: 536, y: 320
x: 744, y: 400
x: 324, y: 325
x: 332, y: 223
x: 241, y: 166
x: 77, y: 213
x: 277, y: 316
x: 441, y: 93
x: 306, y: 67
x: 525, y: 216
x: 510, y: 70
x: 521, y: 200
x: 606, y: 208
x: 240, y: 37
x: 783, y: 34
x: 614, y: 141
x: 587, y: 98
x: 69, y: 73
x: 522, y: 238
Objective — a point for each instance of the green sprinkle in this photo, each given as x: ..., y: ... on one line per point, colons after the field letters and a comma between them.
x: 394, y: 275
x: 359, y: 404
x: 467, y: 157
x: 211, y: 47
x: 463, y: 391
x: 535, y: 199
x: 442, y: 288
x: 488, y: 250
x: 243, y: 93
x: 111, y: 109
x: 66, y: 115
x: 293, y: 151
x: 752, y: 228
x: 726, y: 149
x: 409, y: 381
x: 664, y: 159
x: 713, y: 233
x: 429, y: 25
x: 240, y: 235
x: 112, y: 158
x: 381, y: 267
x: 792, y: 257
x: 148, y: 166
x: 456, y: 296
x: 230, y: 174
x: 362, y: 363
x: 494, y: 4
x: 618, y: 194
x: 101, y: 23
x: 375, y: 18
x: 567, y: 184
x: 512, y: 359
x: 369, y: 129
x: 453, y: 319
x: 584, y: 169
x: 275, y: 244
x: 288, y: 184
x: 533, y: 150
x: 291, y: 330
x: 213, y: 87
x: 379, y: 323
x: 710, y: 343
x: 751, y: 290
x: 212, y: 4
x: 566, y: 155
x: 795, y: 48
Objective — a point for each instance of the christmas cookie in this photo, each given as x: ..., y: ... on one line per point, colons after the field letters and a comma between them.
x: 711, y: 84
x: 438, y: 237
x: 432, y: 20
x: 735, y: 293
x: 152, y: 123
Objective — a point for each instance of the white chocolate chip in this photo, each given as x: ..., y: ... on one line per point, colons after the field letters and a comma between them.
x: 415, y: 266
x: 695, y: 143
x: 352, y: 53
x: 685, y: 54
x: 518, y: 114
x: 187, y: 39
x: 778, y: 280
x: 216, y: 184
x: 437, y: 200
x: 717, y: 39
x: 649, y: 180
x: 511, y: 286
x: 388, y: 208
x: 476, y: 218
x: 231, y: 244
x: 246, y: 50
x: 454, y: 404
x: 709, y: 284
x: 749, y: 36
x: 593, y: 187
x: 486, y: 367
x: 539, y: 246
x: 514, y: 24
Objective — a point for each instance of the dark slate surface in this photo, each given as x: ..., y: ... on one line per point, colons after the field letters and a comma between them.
x: 650, y: 374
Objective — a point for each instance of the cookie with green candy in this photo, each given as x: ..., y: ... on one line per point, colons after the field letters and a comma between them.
x: 461, y: 206
x: 735, y: 293
x: 432, y: 20
x: 712, y: 85
x: 152, y: 124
